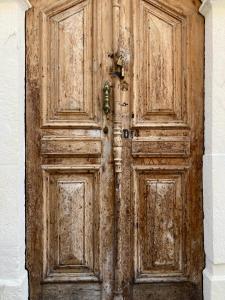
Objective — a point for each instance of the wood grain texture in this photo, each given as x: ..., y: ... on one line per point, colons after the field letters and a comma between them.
x: 71, y: 146
x: 71, y: 225
x: 160, y: 200
x: 159, y: 65
x: 69, y: 188
x: 109, y: 217
x: 162, y: 103
x: 117, y: 155
x: 70, y: 79
x: 161, y: 146
x: 81, y: 291
x: 71, y: 61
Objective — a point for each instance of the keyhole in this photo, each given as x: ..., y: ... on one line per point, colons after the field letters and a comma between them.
x: 105, y: 130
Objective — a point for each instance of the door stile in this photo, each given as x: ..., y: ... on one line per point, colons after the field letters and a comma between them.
x: 117, y: 153
x: 107, y: 190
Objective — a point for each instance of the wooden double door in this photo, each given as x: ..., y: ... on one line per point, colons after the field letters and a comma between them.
x: 114, y: 121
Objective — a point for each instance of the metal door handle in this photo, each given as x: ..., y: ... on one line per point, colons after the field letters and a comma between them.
x: 106, y: 100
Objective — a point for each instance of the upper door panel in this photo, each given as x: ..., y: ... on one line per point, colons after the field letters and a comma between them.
x: 69, y: 62
x: 160, y: 65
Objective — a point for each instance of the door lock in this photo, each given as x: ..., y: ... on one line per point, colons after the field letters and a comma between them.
x: 128, y: 134
x: 119, y: 67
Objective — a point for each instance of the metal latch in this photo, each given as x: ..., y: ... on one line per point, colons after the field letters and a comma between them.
x: 119, y: 67
x: 128, y: 134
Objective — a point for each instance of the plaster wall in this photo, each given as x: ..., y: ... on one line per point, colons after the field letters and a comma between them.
x: 214, y: 158
x: 13, y: 277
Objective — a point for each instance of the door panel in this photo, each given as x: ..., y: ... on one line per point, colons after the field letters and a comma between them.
x: 70, y: 193
x: 71, y: 235
x: 114, y: 199
x: 162, y: 250
x: 159, y: 65
x: 69, y: 58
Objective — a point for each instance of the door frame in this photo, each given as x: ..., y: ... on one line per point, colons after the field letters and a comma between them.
x: 214, y: 274
x: 34, y: 158
x: 35, y: 155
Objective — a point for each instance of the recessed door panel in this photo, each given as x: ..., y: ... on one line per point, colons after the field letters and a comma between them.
x: 71, y: 198
x: 160, y: 65
x: 160, y: 245
x: 69, y: 54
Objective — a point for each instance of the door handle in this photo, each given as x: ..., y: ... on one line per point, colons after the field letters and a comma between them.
x: 106, y: 100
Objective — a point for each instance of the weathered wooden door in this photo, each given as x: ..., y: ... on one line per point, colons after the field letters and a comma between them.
x: 114, y: 121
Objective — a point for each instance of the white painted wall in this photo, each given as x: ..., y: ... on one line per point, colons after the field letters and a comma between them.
x: 13, y: 277
x: 214, y: 159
